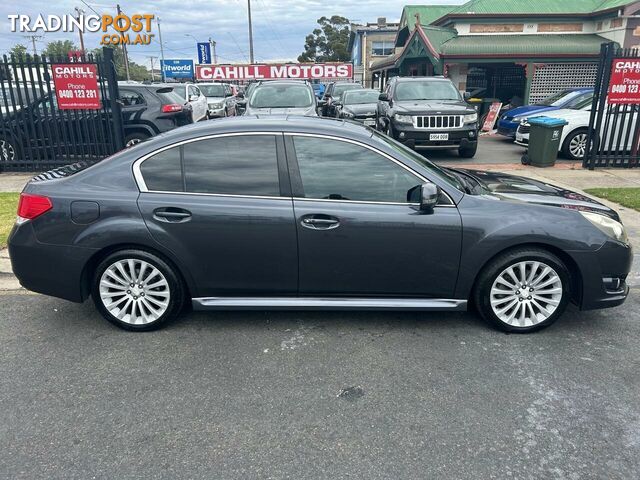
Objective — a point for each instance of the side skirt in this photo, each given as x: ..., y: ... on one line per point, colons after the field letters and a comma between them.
x: 315, y: 303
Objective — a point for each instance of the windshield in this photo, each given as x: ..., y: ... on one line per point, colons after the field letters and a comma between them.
x: 558, y: 99
x: 427, y: 90
x: 580, y: 101
x: 358, y: 97
x: 281, y: 96
x: 406, y: 152
x: 212, y: 90
x: 339, y: 89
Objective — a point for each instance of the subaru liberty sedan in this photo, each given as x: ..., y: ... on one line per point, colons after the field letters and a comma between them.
x: 285, y: 212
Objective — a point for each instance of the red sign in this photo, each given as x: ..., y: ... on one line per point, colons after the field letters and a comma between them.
x: 300, y: 71
x: 492, y: 116
x: 76, y: 86
x: 624, y: 86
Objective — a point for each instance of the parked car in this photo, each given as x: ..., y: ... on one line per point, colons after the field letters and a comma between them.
x: 508, y: 123
x: 332, y: 93
x: 147, y: 110
x: 282, y: 97
x: 192, y: 95
x: 306, y: 213
x: 573, y: 142
x: 428, y: 112
x: 318, y: 89
x: 221, y: 101
x: 359, y: 105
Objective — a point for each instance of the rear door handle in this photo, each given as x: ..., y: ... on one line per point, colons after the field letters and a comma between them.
x: 172, y: 215
x: 320, y: 222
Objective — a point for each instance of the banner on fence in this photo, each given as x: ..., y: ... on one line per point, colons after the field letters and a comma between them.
x: 624, y: 85
x: 76, y: 86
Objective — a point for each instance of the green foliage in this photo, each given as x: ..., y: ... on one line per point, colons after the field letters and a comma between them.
x: 8, y: 209
x: 59, y: 48
x: 136, y: 71
x: 18, y: 51
x: 627, y: 197
x: 328, y: 43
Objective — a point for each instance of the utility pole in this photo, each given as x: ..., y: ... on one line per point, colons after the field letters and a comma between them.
x: 80, y: 12
x: 33, y: 39
x: 213, y: 49
x: 164, y: 79
x: 124, y: 50
x: 250, y: 33
x: 152, y: 58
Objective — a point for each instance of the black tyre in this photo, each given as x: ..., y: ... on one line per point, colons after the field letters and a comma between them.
x: 8, y: 149
x: 469, y: 151
x: 137, y: 290
x: 388, y: 129
x: 575, y: 145
x: 133, y: 138
x: 523, y: 290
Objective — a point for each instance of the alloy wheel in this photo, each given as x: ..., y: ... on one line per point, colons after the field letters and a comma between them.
x: 526, y: 294
x: 7, y: 151
x: 134, y: 291
x: 578, y: 145
x: 132, y: 142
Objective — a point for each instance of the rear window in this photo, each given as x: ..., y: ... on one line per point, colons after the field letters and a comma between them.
x: 169, y: 95
x: 281, y: 96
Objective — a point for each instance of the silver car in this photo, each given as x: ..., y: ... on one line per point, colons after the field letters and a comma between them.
x: 282, y: 97
x: 220, y: 99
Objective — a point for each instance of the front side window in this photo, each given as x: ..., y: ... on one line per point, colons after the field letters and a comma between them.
x: 129, y: 97
x: 336, y: 170
x: 234, y: 165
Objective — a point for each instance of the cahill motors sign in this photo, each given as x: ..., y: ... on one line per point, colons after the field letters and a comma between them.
x: 624, y: 86
x: 302, y: 71
x: 76, y: 86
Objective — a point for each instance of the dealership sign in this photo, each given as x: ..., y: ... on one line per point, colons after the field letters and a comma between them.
x: 177, y: 68
x: 204, y: 52
x: 76, y: 86
x: 624, y: 86
x: 299, y: 71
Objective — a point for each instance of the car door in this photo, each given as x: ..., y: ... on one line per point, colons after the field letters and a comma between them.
x: 222, y: 205
x: 199, y: 107
x: 358, y: 235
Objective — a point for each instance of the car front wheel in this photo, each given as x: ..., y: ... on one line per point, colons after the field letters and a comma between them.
x: 8, y: 150
x: 575, y: 146
x: 137, y: 290
x: 523, y: 291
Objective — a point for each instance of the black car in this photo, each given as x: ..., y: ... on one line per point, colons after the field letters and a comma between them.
x: 309, y: 213
x: 332, y: 94
x: 38, y: 125
x: 359, y: 105
x: 428, y: 112
x: 148, y: 110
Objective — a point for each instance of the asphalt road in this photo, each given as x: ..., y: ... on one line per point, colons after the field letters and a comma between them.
x: 257, y: 395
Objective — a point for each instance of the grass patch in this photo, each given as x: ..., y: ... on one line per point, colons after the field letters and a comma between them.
x: 627, y: 197
x: 8, y: 208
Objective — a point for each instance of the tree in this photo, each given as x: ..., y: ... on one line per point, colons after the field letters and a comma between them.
x: 18, y: 51
x: 59, y: 48
x: 136, y: 71
x: 328, y: 43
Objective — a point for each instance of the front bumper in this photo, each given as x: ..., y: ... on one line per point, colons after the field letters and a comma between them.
x: 507, y: 128
x: 421, y: 137
x: 603, y: 276
x: 216, y: 112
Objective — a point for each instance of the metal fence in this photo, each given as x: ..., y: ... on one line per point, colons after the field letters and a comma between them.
x: 612, y: 139
x: 35, y: 134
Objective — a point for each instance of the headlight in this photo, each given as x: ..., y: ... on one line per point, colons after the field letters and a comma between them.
x: 607, y: 225
x: 519, y: 119
x: 215, y: 105
x: 471, y: 117
x: 347, y: 114
x: 403, y: 118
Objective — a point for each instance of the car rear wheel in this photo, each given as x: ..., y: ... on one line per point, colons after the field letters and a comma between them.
x: 523, y: 291
x: 575, y: 145
x: 8, y: 150
x: 134, y: 138
x: 137, y: 290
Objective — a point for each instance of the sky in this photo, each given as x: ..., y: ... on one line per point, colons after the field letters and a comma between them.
x: 279, y: 26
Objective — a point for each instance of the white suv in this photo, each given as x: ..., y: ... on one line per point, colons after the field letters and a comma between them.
x: 192, y: 95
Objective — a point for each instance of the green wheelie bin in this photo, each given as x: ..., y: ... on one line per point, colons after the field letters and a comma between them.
x: 544, y: 141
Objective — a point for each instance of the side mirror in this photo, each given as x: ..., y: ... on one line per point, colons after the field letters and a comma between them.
x: 383, y: 97
x: 466, y: 96
x: 322, y: 103
x: 240, y: 95
x: 430, y: 193
x: 194, y: 98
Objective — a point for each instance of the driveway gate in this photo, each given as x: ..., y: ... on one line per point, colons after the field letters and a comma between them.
x: 613, y: 135
x: 36, y: 134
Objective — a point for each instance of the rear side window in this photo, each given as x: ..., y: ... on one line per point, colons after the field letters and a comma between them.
x: 236, y: 165
x: 129, y: 97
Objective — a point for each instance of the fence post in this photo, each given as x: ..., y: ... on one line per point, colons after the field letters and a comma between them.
x: 112, y: 88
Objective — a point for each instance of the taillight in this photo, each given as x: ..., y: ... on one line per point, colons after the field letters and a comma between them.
x: 172, y: 107
x: 32, y: 206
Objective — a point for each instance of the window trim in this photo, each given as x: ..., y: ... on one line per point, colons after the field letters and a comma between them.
x: 142, y: 186
x: 297, y: 179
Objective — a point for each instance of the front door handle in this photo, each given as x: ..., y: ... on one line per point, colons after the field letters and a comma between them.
x: 320, y: 222
x: 172, y: 215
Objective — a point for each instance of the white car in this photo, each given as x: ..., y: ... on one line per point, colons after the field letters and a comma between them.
x: 192, y: 95
x: 573, y: 142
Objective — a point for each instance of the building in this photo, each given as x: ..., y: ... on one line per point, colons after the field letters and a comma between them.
x: 368, y: 43
x: 510, y: 49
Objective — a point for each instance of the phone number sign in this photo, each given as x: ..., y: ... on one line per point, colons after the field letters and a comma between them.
x: 624, y: 86
x: 76, y: 86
